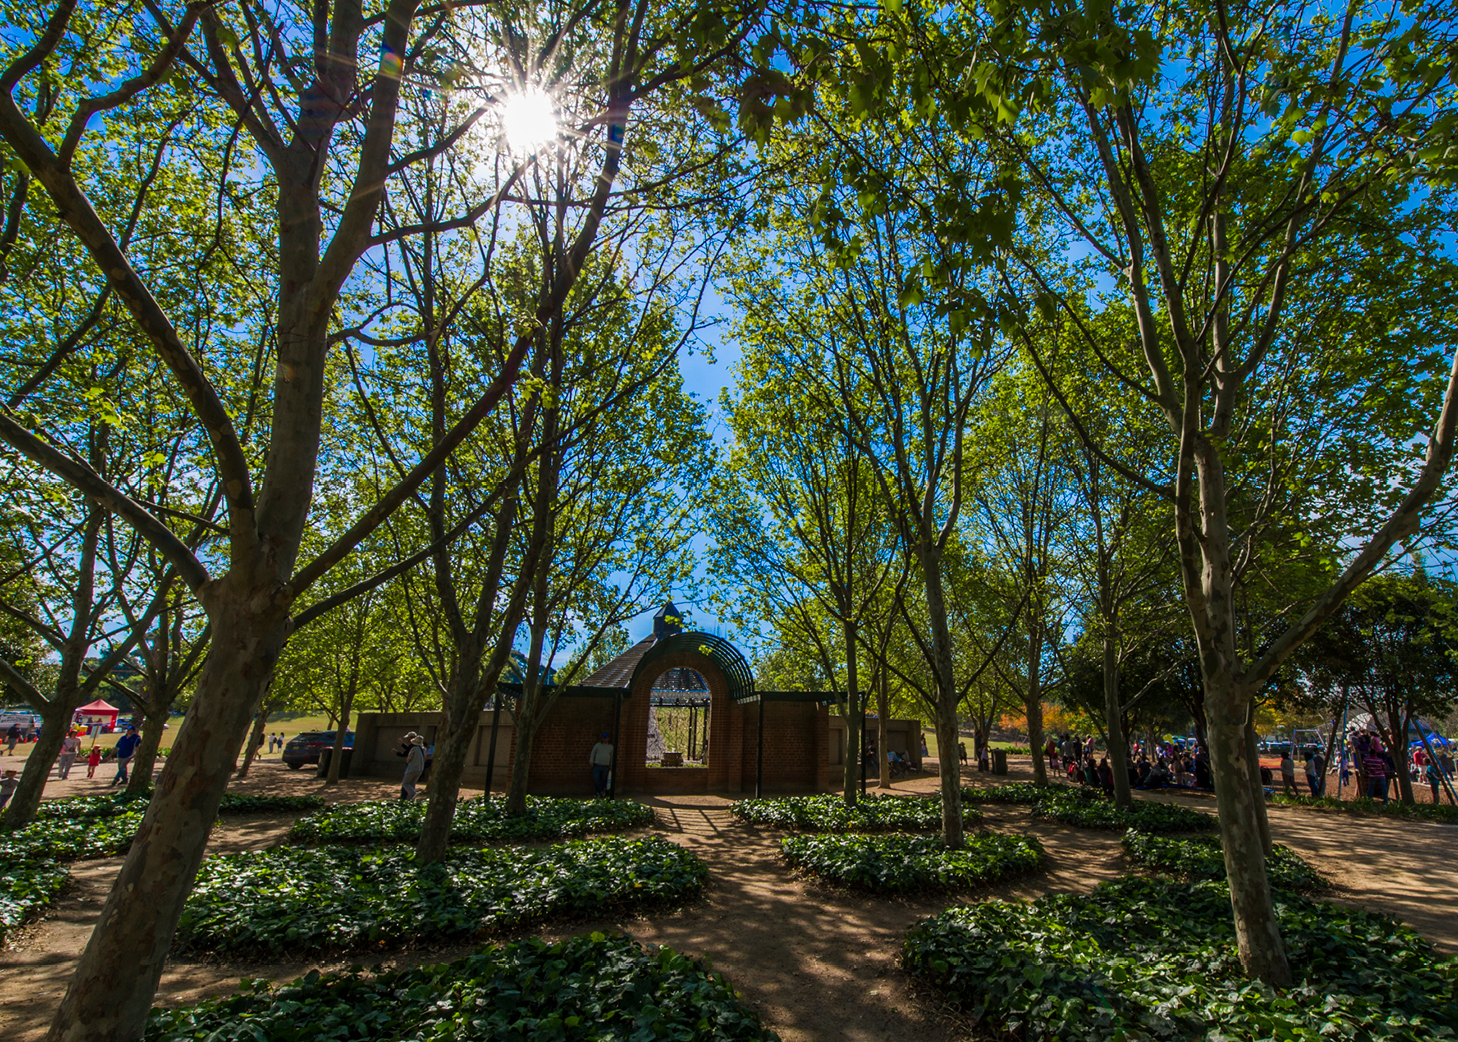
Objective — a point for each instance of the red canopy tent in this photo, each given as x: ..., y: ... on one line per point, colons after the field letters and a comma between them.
x: 98, y: 713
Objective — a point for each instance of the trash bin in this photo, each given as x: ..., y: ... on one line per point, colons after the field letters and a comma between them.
x: 325, y: 755
x: 999, y: 761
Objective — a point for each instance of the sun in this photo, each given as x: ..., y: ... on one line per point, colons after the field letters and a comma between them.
x: 528, y: 119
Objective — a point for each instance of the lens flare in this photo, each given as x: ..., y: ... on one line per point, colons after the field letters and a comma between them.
x: 528, y: 120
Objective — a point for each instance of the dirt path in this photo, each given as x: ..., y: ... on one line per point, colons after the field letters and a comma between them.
x: 817, y: 962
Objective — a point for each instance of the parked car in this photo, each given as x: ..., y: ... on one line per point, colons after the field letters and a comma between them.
x: 306, y: 747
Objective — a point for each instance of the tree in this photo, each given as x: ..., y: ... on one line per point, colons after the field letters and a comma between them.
x: 1242, y: 178
x: 315, y: 121
x: 610, y: 495
x: 1394, y: 645
x: 899, y: 356
x: 1118, y: 546
x: 807, y: 512
x: 1022, y: 512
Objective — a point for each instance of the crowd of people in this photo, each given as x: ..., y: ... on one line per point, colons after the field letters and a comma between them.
x: 1186, y: 766
x: 124, y: 750
x: 1151, y: 766
x: 1376, y: 767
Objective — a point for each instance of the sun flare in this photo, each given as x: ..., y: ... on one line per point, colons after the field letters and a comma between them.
x: 528, y: 120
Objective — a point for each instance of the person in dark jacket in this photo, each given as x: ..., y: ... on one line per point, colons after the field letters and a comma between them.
x: 126, y: 748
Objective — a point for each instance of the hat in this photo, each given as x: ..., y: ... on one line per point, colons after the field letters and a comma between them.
x: 416, y: 740
x: 606, y: 735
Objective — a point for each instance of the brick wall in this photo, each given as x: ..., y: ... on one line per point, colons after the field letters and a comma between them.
x: 796, y: 751
x: 566, y: 737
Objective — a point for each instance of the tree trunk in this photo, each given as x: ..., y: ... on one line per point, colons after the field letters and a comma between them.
x: 1337, y: 723
x: 1113, y: 722
x: 255, y: 741
x: 144, y: 763
x: 58, y: 712
x: 946, y: 693
x: 854, y: 719
x: 37, y: 770
x: 883, y: 712
x: 1257, y: 790
x: 1397, y: 721
x: 1033, y: 703
x: 336, y: 758
x: 1207, y: 574
x: 111, y: 991
x: 521, y: 764
x: 452, y: 742
x: 1258, y: 935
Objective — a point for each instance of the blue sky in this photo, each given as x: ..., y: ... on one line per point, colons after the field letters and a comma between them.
x: 704, y: 379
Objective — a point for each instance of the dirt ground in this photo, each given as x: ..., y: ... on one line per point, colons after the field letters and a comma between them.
x: 816, y: 962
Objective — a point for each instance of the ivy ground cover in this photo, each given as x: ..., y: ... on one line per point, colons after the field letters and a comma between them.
x: 897, y: 864
x: 479, y: 820
x: 344, y: 896
x: 72, y: 839
x: 585, y: 989
x: 80, y: 827
x: 1392, y: 809
x: 828, y: 813
x: 1155, y: 959
x: 1090, y: 809
x: 110, y: 805
x: 1201, y: 857
x: 26, y: 886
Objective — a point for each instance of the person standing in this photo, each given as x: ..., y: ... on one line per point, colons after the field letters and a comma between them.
x: 12, y: 738
x: 70, y: 746
x: 1318, y: 761
x: 1375, y: 768
x: 126, y: 748
x: 414, y: 767
x: 601, y: 762
x: 93, y: 761
x: 1311, y: 771
x: 1434, y: 776
x: 1288, y: 774
x: 8, y: 784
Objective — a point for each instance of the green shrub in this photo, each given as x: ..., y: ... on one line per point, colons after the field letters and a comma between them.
x: 72, y: 839
x: 110, y: 804
x: 1089, y: 808
x: 477, y: 821
x: 87, y: 808
x: 1201, y: 858
x: 1026, y: 792
x: 872, y: 813
x: 238, y: 803
x: 340, y: 897
x: 26, y: 886
x: 583, y: 989
x: 895, y: 864
x: 1153, y: 959
x: 1392, y: 809
x: 1071, y: 807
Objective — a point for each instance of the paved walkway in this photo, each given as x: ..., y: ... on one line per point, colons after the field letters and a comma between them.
x: 817, y: 962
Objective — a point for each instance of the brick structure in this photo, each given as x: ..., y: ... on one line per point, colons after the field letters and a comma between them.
x: 616, y: 699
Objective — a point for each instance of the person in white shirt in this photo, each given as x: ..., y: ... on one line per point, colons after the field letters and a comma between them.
x: 70, y: 746
x: 414, y: 768
x: 601, y: 761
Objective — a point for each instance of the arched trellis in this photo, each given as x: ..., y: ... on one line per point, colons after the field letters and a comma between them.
x: 734, y: 666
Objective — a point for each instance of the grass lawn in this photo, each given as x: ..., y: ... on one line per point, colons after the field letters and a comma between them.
x: 929, y: 733
x: 289, y: 726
